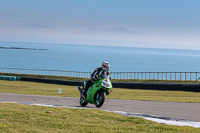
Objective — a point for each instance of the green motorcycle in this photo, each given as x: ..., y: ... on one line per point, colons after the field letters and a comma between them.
x: 96, y: 93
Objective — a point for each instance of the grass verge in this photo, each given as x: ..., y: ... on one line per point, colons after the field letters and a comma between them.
x: 35, y: 88
x: 26, y: 118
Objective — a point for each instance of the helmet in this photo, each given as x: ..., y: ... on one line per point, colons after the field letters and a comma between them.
x: 105, y: 65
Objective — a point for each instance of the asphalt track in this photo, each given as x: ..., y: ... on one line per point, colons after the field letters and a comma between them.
x: 174, y: 110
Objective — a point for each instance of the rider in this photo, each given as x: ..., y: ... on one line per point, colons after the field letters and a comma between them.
x: 94, y: 76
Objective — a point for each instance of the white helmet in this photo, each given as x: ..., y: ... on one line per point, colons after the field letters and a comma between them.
x: 105, y: 65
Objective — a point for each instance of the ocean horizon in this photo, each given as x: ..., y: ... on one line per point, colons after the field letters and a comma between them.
x: 85, y: 58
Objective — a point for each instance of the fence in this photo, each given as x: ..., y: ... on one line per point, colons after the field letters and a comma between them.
x: 114, y: 75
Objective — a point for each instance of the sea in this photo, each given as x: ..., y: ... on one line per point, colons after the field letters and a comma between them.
x: 86, y: 58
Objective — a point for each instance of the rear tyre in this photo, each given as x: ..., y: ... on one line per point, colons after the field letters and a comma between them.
x: 82, y: 102
x: 100, y: 98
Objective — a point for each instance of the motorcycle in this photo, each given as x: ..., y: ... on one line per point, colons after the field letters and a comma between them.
x: 96, y: 93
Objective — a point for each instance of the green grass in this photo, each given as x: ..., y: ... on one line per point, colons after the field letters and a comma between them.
x: 19, y: 118
x: 113, y: 80
x: 35, y: 88
x: 156, y: 95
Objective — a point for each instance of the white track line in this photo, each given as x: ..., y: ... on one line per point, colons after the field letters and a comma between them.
x: 147, y: 117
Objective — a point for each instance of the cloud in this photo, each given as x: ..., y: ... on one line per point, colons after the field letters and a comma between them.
x: 118, y: 30
x: 35, y: 26
x: 79, y: 22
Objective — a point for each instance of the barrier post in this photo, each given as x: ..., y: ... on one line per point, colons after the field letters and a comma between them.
x: 180, y: 76
x: 134, y: 75
x: 145, y: 75
x: 149, y: 75
x: 142, y: 75
x: 185, y: 76
x: 196, y: 76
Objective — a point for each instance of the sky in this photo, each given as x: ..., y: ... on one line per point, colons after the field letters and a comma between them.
x: 172, y: 24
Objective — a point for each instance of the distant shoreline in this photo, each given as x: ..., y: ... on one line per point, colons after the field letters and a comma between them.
x: 21, y: 48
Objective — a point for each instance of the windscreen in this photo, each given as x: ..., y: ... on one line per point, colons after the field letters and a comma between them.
x: 106, y: 78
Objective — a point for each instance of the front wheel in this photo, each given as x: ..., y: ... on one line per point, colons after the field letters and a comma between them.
x: 83, y: 103
x: 100, y: 98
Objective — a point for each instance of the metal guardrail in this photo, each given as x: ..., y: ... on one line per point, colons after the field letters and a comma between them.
x: 46, y: 72
x: 114, y: 75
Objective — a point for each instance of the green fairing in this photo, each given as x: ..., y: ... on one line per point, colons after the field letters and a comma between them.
x: 96, y: 93
x: 92, y: 91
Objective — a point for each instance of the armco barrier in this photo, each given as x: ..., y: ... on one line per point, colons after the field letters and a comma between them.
x: 146, y: 86
x: 159, y: 86
x: 53, y: 81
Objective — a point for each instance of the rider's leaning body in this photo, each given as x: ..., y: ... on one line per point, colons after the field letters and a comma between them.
x: 104, y: 69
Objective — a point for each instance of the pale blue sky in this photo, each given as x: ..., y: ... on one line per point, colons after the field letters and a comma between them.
x: 135, y: 23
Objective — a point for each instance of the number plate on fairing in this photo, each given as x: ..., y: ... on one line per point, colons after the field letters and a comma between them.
x: 105, y: 84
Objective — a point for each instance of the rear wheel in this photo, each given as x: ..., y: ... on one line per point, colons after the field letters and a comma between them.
x: 100, y: 98
x: 83, y: 103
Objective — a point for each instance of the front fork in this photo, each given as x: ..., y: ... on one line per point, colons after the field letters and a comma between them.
x: 80, y: 90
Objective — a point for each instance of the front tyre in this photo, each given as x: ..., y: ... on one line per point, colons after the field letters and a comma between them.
x: 83, y: 103
x: 100, y: 98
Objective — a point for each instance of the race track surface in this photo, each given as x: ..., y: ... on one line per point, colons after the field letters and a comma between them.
x: 174, y: 110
